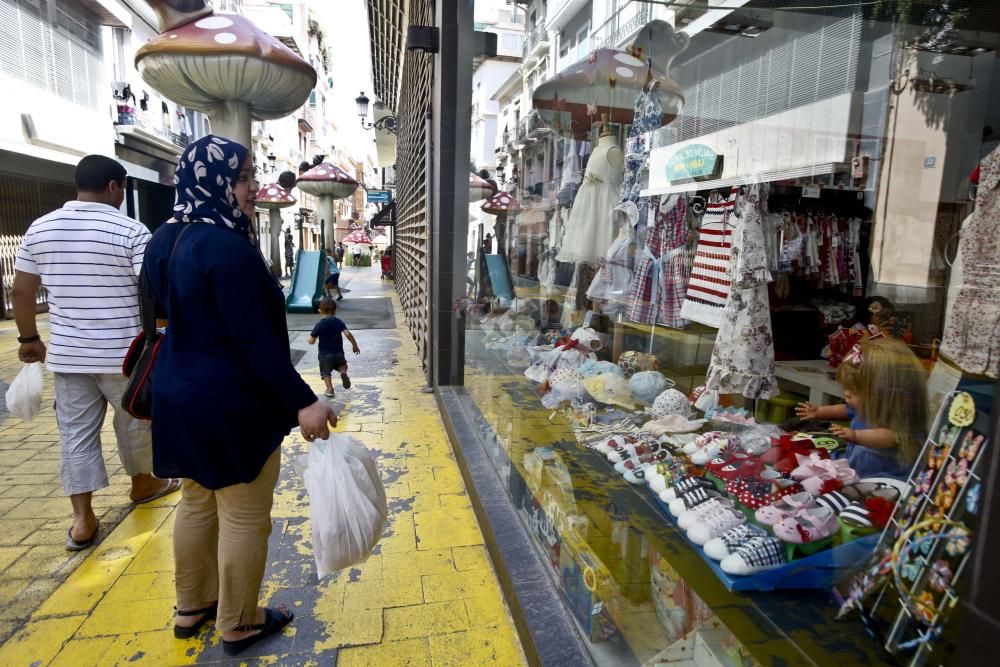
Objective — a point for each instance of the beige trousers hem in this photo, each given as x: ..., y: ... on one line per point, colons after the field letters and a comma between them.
x: 220, y: 545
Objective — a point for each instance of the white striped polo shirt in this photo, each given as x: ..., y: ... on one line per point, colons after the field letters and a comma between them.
x: 88, y: 256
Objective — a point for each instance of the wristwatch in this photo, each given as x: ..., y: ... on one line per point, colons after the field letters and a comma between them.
x: 28, y: 339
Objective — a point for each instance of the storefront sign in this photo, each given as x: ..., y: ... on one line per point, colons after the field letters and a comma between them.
x: 695, y: 162
x: 379, y: 196
x: 811, y: 191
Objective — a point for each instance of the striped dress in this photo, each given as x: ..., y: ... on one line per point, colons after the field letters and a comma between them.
x: 711, y: 278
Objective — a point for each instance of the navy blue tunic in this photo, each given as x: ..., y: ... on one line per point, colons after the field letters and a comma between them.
x: 225, y: 392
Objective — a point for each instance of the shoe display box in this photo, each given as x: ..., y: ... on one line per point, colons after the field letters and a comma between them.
x: 820, y: 570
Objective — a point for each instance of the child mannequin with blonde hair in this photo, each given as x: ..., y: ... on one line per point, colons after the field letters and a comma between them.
x: 885, y: 396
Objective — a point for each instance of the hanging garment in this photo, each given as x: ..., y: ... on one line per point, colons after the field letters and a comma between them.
x: 853, y: 251
x: 589, y: 231
x: 743, y: 356
x: 663, y: 269
x: 572, y: 175
x: 610, y: 286
x: 646, y: 118
x: 972, y: 331
x: 708, y: 288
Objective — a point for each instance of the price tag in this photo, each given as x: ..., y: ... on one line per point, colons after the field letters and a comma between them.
x: 811, y: 191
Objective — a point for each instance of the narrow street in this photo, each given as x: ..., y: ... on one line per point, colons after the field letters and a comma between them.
x: 427, y: 596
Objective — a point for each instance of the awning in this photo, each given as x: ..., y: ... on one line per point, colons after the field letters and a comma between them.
x: 385, y: 218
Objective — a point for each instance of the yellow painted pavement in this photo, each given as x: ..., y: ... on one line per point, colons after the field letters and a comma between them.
x: 428, y: 596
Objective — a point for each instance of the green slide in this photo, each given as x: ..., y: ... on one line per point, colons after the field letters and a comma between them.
x: 307, y: 283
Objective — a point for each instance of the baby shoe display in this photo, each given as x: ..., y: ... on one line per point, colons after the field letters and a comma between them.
x: 691, y: 500
x: 809, y: 524
x: 652, y: 456
x: 726, y: 544
x: 715, y: 524
x: 664, y: 474
x: 609, y: 445
x: 693, y: 516
x: 757, y: 555
x: 713, y: 449
x: 765, y: 488
x: 684, y: 486
x: 817, y: 474
x: 784, y: 508
x: 638, y: 448
x: 701, y: 441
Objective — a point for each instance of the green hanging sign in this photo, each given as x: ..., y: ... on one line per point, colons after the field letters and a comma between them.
x: 695, y: 162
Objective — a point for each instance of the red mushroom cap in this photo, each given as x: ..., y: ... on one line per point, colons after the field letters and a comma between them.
x: 274, y: 196
x: 327, y: 179
x: 501, y: 202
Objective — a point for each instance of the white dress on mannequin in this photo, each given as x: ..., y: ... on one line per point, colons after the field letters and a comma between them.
x: 589, y: 231
x: 611, y: 284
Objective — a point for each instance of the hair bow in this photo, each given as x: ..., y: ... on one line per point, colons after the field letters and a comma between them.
x: 854, y: 356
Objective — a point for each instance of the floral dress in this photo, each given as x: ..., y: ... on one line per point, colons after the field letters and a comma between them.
x: 743, y: 357
x: 647, y: 117
x: 972, y: 332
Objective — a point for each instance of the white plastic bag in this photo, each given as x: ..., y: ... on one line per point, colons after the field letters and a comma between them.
x: 24, y: 396
x: 346, y: 501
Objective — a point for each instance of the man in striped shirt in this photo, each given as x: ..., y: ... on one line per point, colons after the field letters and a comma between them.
x: 88, y: 255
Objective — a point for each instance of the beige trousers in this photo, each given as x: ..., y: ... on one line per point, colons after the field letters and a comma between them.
x: 220, y: 545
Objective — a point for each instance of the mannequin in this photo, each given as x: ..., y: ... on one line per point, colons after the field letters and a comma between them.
x: 589, y: 232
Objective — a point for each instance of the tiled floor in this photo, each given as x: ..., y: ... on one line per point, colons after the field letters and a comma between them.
x: 428, y: 596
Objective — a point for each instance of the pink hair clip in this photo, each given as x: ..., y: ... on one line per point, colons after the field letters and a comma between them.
x: 854, y: 356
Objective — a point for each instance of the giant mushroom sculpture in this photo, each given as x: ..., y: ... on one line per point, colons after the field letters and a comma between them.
x: 479, y: 188
x: 224, y: 66
x: 327, y: 182
x: 500, y: 205
x: 273, y: 198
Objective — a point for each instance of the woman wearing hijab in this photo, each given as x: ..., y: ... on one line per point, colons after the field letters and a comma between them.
x: 226, y: 393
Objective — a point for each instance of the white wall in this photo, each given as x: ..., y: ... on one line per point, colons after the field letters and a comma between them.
x: 486, y: 80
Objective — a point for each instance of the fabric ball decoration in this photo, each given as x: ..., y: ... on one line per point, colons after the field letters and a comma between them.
x: 590, y: 368
x: 610, y: 388
x: 647, y: 385
x: 671, y: 402
x: 633, y: 362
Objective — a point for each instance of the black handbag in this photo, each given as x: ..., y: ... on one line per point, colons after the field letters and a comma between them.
x: 140, y: 360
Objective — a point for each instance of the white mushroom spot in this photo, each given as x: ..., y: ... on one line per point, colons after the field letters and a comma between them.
x: 173, y: 36
x: 272, y: 191
x: 628, y: 59
x: 225, y: 38
x: 214, y: 23
x: 625, y: 72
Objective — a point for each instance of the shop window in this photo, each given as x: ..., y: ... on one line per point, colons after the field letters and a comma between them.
x: 673, y: 298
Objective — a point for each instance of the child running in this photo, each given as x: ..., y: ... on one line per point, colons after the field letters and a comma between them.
x: 330, y: 332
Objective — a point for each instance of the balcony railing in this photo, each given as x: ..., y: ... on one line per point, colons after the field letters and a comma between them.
x: 622, y: 25
x: 536, y: 41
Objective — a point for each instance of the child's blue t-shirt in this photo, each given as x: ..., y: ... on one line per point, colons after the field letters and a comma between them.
x: 869, y: 462
x: 331, y: 265
x: 330, y: 332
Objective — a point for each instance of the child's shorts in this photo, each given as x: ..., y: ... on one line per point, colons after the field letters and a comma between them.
x: 328, y: 363
x: 332, y: 280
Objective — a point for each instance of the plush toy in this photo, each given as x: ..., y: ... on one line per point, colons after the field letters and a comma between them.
x: 570, y: 352
x: 633, y: 362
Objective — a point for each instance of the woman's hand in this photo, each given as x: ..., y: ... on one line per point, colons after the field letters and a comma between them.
x: 313, y: 421
x: 807, y: 411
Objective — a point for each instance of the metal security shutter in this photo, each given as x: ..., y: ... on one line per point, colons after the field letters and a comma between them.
x: 22, y: 200
x: 812, y: 67
x: 412, y: 237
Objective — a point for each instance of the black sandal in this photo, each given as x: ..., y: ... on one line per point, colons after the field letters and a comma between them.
x: 187, y: 633
x: 274, y: 622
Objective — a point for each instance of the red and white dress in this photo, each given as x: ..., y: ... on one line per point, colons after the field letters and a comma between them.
x: 708, y: 288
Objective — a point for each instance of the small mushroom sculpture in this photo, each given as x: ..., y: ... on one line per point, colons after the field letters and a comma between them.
x: 500, y: 205
x: 327, y: 182
x: 224, y: 66
x: 479, y: 188
x: 273, y: 198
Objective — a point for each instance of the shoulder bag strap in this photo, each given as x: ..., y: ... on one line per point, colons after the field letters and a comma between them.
x: 147, y: 298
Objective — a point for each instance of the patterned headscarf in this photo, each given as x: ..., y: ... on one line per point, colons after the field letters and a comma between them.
x: 205, y: 182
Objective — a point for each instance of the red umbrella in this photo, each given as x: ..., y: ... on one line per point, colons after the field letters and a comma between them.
x: 357, y: 237
x: 606, y: 84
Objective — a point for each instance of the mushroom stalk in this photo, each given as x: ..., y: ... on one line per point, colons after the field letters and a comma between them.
x: 324, y: 210
x: 275, y: 223
x: 231, y: 119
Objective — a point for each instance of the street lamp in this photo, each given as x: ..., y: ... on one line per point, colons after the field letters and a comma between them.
x: 385, y: 123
